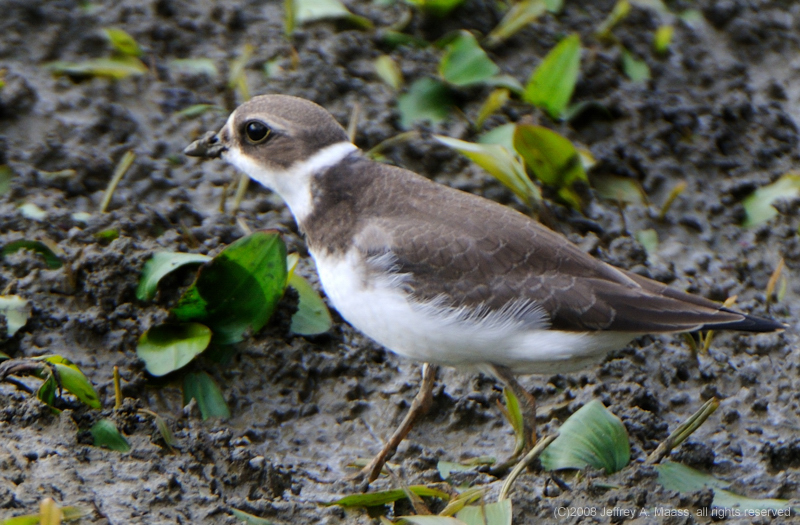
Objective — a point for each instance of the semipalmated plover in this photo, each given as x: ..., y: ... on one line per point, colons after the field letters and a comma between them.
x: 443, y: 276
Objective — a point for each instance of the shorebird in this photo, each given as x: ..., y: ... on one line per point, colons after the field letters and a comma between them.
x: 442, y: 276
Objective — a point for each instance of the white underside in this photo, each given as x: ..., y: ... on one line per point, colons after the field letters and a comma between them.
x: 379, y: 309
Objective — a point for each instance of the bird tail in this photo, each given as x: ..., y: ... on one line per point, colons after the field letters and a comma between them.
x: 747, y: 323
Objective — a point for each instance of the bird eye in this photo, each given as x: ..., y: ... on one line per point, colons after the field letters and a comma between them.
x: 256, y: 131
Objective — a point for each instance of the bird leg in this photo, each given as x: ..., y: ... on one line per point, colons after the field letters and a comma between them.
x: 527, y: 406
x: 419, y: 407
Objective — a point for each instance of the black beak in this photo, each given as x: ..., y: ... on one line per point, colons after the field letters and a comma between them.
x: 208, y: 146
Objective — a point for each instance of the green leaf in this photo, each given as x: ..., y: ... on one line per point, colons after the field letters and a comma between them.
x: 619, y: 189
x: 499, y: 162
x: 620, y: 11
x: 201, y: 387
x: 388, y: 71
x: 161, y: 264
x: 552, y: 83
x: 123, y: 42
x: 649, y: 240
x: 312, y: 316
x: 68, y: 513
x: 554, y: 6
x: 249, y: 519
x: 72, y: 379
x: 636, y: 70
x: 199, y: 109
x: 446, y: 468
x: 239, y: 289
x: 47, y: 390
x: 116, y: 68
x: 493, y: 103
x: 31, y: 211
x: 429, y: 520
x: 426, y: 99
x: 553, y: 159
x: 16, y: 310
x: 387, y: 496
x: 4, y: 356
x: 497, y: 513
x: 438, y: 8
x: 518, y: 16
x: 683, y: 479
x: 758, y: 205
x: 501, y: 135
x: 50, y: 258
x: 6, y: 176
x: 591, y: 436
x: 306, y: 11
x: 169, y: 347
x: 194, y: 66
x: 464, y: 62
x: 105, y: 434
x: 663, y: 38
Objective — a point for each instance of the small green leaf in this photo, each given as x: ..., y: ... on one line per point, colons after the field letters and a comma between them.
x: 199, y: 109
x: 4, y: 356
x: 518, y: 16
x: 464, y: 62
x: 437, y: 8
x: 161, y: 264
x: 552, y: 83
x: 239, y: 289
x: 312, y: 316
x: 619, y: 189
x: 123, y: 42
x: 249, y: 519
x: 636, y: 70
x: 50, y: 258
x: 16, y: 310
x: 554, y: 6
x: 497, y: 513
x: 306, y: 11
x: 426, y: 99
x: 663, y: 38
x: 683, y: 479
x: 31, y: 211
x: 107, y: 236
x: 758, y: 205
x: 47, y: 390
x: 501, y: 135
x: 105, y: 434
x: 649, y: 240
x: 493, y: 103
x: 169, y: 347
x: 6, y: 176
x: 68, y: 513
x: 78, y: 385
x: 194, y: 66
x: 499, y: 162
x: 387, y: 496
x: 553, y: 159
x: 429, y: 520
x: 591, y: 436
x: 72, y: 379
x: 201, y: 387
x: 115, y: 68
x: 620, y: 11
x: 446, y: 468
x: 388, y: 71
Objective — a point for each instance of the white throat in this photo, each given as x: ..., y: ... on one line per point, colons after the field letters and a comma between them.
x: 293, y: 184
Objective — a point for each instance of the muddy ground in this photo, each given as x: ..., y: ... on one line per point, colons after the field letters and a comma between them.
x: 721, y: 113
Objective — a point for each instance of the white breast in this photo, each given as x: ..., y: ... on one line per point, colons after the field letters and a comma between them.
x: 380, y: 309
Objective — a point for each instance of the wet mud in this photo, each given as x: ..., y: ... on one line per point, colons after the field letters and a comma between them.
x: 720, y: 113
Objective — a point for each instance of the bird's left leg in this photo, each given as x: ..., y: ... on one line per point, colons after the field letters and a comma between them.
x: 419, y: 406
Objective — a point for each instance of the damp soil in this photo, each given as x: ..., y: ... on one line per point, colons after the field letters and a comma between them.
x: 720, y: 113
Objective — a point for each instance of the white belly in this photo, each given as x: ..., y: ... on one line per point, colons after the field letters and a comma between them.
x: 384, y: 313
